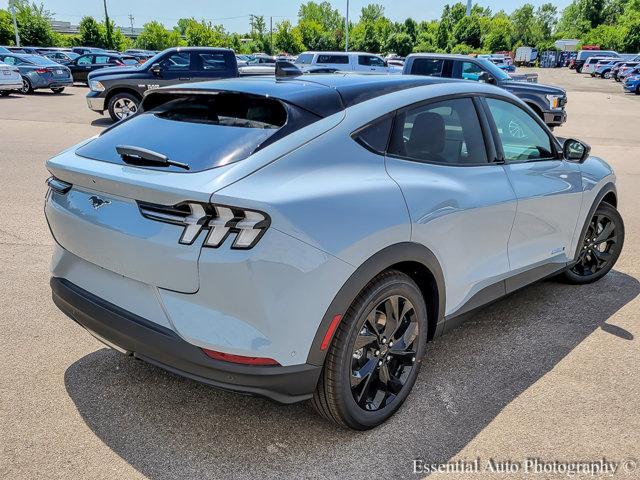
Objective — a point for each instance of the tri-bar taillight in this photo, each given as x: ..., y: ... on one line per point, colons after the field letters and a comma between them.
x: 219, y: 221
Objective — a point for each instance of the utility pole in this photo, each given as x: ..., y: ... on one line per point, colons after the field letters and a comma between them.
x: 271, y: 34
x: 107, y: 26
x: 346, y: 29
x: 12, y: 7
x: 468, y: 8
x: 131, y: 21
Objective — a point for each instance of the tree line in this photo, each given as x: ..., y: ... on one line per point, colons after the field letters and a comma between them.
x: 612, y: 24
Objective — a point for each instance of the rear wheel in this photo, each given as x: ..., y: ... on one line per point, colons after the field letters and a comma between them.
x: 376, y: 353
x: 123, y: 105
x: 57, y: 89
x: 600, y: 246
x: 607, y: 74
x: 5, y: 93
x: 26, y: 86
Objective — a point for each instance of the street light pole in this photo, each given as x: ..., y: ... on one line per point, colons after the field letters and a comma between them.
x: 12, y: 7
x: 346, y: 29
x: 107, y: 25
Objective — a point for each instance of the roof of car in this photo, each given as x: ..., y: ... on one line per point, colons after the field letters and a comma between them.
x: 321, y: 94
x: 443, y: 55
x: 338, y: 53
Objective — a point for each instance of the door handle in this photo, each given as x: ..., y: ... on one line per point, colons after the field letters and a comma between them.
x: 184, y: 78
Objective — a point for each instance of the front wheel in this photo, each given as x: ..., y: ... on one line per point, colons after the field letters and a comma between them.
x: 123, y: 105
x: 606, y: 75
x: 57, y: 89
x: 5, y: 93
x: 26, y: 86
x: 376, y: 353
x: 600, y: 247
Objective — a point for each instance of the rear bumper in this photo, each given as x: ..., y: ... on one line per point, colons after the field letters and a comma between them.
x: 11, y: 86
x: 161, y: 346
x: 555, y: 118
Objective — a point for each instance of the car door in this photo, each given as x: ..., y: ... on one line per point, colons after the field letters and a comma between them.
x: 548, y: 188
x: 210, y: 66
x: 460, y: 202
x: 82, y: 67
x: 371, y: 63
x: 175, y: 67
x: 467, y: 70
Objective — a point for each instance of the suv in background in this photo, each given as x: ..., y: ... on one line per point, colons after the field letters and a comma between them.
x: 348, y: 61
x: 583, y: 55
x: 119, y: 90
x: 547, y: 101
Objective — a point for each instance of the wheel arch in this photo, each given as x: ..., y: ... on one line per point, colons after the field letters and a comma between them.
x: 607, y: 194
x: 114, y: 91
x: 416, y: 261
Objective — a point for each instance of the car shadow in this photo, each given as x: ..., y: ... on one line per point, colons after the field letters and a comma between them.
x: 102, y: 122
x: 169, y: 427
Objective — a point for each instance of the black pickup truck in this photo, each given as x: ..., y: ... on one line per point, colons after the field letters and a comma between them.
x: 547, y: 101
x: 119, y: 90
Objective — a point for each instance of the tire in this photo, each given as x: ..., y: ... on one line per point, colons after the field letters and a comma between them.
x: 592, y: 266
x: 606, y: 74
x: 579, y: 70
x: 5, y: 93
x: 638, y: 90
x: 399, y: 363
x: 122, y: 105
x: 26, y: 86
x: 57, y: 89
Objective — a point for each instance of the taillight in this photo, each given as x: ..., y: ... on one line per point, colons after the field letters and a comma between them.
x: 220, y: 221
x: 43, y: 70
x: 228, y: 357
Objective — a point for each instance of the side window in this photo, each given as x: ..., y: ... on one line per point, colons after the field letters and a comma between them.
x: 375, y: 136
x: 101, y: 59
x: 84, y: 60
x: 470, y: 71
x: 211, y: 62
x: 377, y: 62
x: 446, y: 132
x: 427, y: 66
x: 9, y: 60
x: 343, y: 59
x: 364, y: 60
x: 521, y: 136
x: 177, y: 61
x: 305, y: 58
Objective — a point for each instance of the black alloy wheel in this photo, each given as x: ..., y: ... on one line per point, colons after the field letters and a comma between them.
x: 374, y: 358
x: 384, y: 353
x: 600, y: 246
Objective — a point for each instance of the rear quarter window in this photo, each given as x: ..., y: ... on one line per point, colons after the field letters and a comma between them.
x: 427, y: 66
x: 343, y: 59
x: 375, y: 136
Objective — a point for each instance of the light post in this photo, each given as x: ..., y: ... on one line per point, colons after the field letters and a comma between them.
x: 346, y: 29
x: 12, y: 7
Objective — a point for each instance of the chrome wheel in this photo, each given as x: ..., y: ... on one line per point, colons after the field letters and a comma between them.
x: 26, y: 86
x: 124, y: 107
x: 384, y: 353
x: 598, y: 246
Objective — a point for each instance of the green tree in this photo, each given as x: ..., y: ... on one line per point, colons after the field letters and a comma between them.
x: 547, y: 17
x: 330, y: 20
x: 400, y: 43
x: 205, y: 34
x: 498, y: 34
x: 411, y: 27
x: 462, y: 49
x: 371, y: 12
x: 155, y: 36
x: 467, y: 31
x: 6, y: 28
x: 89, y: 32
x: 526, y: 30
x: 34, y: 24
x: 287, y: 38
x: 260, y: 38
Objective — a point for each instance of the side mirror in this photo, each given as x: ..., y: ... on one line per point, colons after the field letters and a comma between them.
x: 156, y: 69
x: 485, y: 77
x: 575, y: 150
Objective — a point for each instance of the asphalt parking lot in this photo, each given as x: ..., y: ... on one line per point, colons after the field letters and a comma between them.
x: 550, y: 372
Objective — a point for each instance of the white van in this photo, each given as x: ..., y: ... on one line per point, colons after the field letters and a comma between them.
x: 348, y: 61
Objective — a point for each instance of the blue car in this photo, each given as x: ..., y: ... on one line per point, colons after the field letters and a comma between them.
x: 39, y: 72
x: 301, y: 237
x: 632, y: 84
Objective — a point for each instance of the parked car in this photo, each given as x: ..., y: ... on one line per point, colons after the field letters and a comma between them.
x: 271, y: 268
x: 25, y: 50
x: 10, y: 79
x: 348, y: 61
x: 502, y: 64
x: 62, y: 57
x: 526, y: 56
x: 4, y: 50
x: 84, y: 50
x: 547, y: 101
x: 38, y: 72
x: 621, y: 71
x: 591, y: 64
x: 119, y: 90
x: 82, y: 66
x: 604, y: 69
x: 583, y: 55
x: 632, y: 83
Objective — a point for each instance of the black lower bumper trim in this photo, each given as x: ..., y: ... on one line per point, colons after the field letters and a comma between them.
x: 161, y: 346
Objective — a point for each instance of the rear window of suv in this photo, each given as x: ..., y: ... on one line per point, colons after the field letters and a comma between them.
x: 202, y: 131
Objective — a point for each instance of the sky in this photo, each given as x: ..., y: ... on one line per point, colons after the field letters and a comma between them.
x: 234, y: 15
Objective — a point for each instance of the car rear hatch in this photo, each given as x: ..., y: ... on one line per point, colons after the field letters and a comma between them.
x: 104, y: 202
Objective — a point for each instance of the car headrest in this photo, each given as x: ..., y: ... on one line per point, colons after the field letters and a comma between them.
x: 428, y: 133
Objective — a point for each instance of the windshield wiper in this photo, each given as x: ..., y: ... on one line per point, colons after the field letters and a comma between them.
x: 142, y: 156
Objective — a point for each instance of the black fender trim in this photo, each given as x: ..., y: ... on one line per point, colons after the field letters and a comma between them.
x: 606, y: 189
x: 379, y: 262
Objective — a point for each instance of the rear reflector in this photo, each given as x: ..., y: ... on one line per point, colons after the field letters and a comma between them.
x: 228, y: 357
x: 332, y: 328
